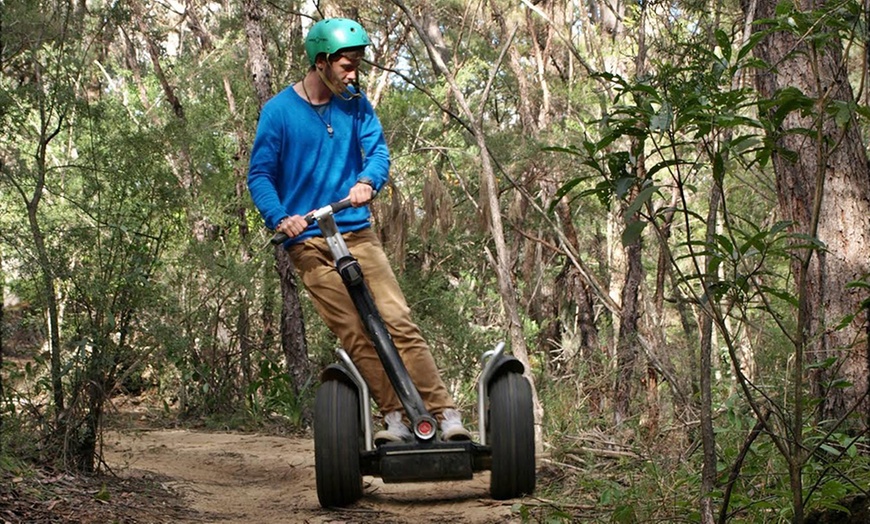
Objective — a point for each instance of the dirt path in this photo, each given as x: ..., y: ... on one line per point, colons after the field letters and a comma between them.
x: 258, y: 479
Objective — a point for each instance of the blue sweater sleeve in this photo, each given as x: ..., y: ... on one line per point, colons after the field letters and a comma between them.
x: 262, y: 182
x: 376, y: 162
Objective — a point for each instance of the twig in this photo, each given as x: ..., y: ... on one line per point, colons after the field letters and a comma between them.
x: 609, y: 452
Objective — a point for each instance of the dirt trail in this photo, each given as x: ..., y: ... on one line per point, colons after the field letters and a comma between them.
x: 258, y: 479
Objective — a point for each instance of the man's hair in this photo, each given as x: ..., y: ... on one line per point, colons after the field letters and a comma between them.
x: 351, y: 53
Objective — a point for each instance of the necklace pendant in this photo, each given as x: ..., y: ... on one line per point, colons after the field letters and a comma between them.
x: 329, y: 129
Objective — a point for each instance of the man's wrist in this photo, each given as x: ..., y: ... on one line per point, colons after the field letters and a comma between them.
x: 278, y: 225
x: 367, y: 181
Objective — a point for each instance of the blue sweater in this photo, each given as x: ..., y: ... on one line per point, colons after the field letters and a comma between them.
x: 296, y: 167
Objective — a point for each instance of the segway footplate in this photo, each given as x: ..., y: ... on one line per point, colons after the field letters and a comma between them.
x: 411, y: 462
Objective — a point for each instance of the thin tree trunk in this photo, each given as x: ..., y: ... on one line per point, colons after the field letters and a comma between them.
x: 492, y: 209
x: 46, y: 267
x: 708, y: 437
x: 627, y: 344
x: 578, y: 290
x: 292, y: 322
x: 240, y: 175
x: 154, y: 54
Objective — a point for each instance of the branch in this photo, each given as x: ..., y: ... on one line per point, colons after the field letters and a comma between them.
x: 735, y: 469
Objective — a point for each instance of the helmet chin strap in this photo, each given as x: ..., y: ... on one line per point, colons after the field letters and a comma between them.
x: 344, y: 94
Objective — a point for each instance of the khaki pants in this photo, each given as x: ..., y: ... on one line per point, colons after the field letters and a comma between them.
x: 314, y: 263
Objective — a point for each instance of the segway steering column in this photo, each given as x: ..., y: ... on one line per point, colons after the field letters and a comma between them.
x: 351, y: 273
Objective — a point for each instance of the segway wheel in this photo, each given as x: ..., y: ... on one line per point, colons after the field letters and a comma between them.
x: 512, y: 437
x: 337, y: 444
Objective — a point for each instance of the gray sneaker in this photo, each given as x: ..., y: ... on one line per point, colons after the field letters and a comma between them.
x: 396, y: 430
x: 451, y: 426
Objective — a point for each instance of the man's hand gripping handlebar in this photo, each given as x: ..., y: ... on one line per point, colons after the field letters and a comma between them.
x: 313, y: 216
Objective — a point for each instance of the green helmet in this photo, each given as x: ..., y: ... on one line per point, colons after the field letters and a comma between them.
x: 333, y: 34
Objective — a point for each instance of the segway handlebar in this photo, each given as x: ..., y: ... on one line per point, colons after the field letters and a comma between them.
x: 335, y: 207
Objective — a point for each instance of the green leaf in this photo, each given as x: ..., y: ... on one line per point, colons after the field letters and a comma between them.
x: 845, y: 321
x: 632, y: 232
x: 623, y: 185
x: 780, y: 294
x: 661, y: 121
x: 663, y: 165
x: 566, y: 188
x: 862, y: 284
x: 642, y: 198
x: 724, y: 43
x: 750, y: 45
x: 624, y: 514
x: 824, y: 364
x: 842, y: 113
x: 830, y: 449
x: 103, y: 495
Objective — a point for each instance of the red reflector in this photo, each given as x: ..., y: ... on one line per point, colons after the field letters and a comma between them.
x: 424, y: 427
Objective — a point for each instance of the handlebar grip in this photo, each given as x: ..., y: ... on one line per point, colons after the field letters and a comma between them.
x: 341, y: 205
x: 280, y: 238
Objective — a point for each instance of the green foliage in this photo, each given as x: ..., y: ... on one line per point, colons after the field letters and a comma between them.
x: 444, y: 304
x: 23, y: 412
x: 680, y: 130
x: 273, y: 392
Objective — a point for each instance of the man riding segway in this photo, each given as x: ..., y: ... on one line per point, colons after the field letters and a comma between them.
x: 319, y: 141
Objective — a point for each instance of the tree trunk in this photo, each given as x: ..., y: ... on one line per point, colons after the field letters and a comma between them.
x: 292, y: 322
x: 824, y: 188
x: 705, y: 408
x: 627, y: 345
x: 258, y: 61
x: 46, y: 269
x: 491, y: 209
x: 240, y: 175
x: 579, y: 291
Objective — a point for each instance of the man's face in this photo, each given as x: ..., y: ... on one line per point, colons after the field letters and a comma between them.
x: 344, y: 68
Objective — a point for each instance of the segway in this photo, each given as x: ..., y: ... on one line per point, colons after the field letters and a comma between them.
x: 344, y: 450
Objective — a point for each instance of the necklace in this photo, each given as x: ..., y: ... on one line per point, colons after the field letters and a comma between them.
x: 328, y: 124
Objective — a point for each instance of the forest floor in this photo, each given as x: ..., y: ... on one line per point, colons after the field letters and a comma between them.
x: 160, y: 474
x: 155, y: 472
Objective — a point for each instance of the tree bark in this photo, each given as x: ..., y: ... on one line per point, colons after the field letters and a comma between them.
x: 582, y: 295
x: 823, y: 188
x: 491, y: 209
x: 627, y: 345
x: 823, y: 185
x: 46, y: 135
x: 258, y: 61
x: 705, y: 408
x: 292, y: 320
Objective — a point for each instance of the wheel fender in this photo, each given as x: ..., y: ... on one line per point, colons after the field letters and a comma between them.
x: 345, y: 373
x: 504, y: 364
x: 338, y: 371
